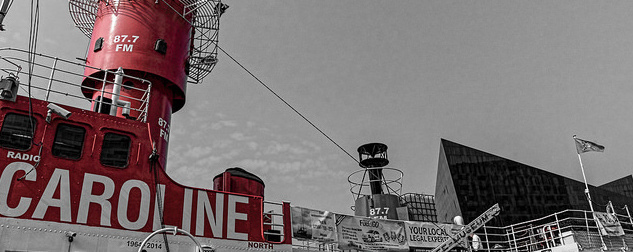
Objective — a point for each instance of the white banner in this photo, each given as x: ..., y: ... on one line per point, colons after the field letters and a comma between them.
x: 428, y: 235
x: 608, y: 223
x: 312, y: 224
x: 361, y: 233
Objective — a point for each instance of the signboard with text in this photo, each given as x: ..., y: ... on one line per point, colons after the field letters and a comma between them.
x: 362, y: 233
x: 459, y: 236
x: 608, y: 223
x: 427, y: 234
x: 312, y: 224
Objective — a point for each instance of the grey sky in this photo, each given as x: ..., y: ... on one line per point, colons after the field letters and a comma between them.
x: 513, y: 78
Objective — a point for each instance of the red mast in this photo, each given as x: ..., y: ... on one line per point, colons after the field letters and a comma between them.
x: 167, y: 42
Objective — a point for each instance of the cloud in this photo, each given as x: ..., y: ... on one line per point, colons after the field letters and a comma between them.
x: 252, y: 145
x: 290, y: 165
x: 220, y: 144
x: 208, y: 161
x: 50, y: 41
x: 197, y: 152
x: 258, y: 164
x: 17, y: 36
x: 277, y: 148
x: 221, y: 124
x: 239, y: 136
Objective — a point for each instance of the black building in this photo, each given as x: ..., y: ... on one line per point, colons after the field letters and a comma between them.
x: 623, y: 186
x: 421, y: 207
x: 469, y: 181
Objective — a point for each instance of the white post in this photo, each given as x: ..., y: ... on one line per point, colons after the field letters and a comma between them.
x: 604, y: 246
x: 116, y: 91
x: 50, y: 79
x: 582, y: 168
x: 628, y: 214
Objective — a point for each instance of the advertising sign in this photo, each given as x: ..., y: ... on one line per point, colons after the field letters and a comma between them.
x: 313, y: 224
x: 428, y: 235
x: 608, y: 223
x: 471, y: 227
x: 361, y: 233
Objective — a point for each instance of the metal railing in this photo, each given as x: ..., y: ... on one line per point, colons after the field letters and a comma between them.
x: 360, y: 181
x: 565, y: 228
x: 574, y: 228
x: 62, y: 78
x: 273, y: 221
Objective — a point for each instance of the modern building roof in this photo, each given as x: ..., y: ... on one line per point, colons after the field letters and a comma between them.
x: 469, y: 181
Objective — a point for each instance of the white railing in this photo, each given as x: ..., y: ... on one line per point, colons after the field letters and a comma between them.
x: 55, y: 79
x: 558, y: 229
x: 572, y: 228
x: 273, y: 221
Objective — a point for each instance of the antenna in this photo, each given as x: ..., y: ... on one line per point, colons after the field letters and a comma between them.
x: 384, y: 184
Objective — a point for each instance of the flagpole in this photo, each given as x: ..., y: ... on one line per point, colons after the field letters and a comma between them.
x: 630, y: 221
x: 628, y: 214
x: 584, y: 177
x: 582, y: 168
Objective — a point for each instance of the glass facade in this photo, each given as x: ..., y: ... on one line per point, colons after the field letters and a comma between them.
x: 623, y: 186
x: 470, y: 181
x: 421, y: 207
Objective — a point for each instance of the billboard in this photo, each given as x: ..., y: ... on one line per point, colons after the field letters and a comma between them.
x: 427, y: 234
x: 312, y: 224
x: 362, y: 233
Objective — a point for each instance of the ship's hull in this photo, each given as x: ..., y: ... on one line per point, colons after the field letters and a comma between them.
x: 30, y: 235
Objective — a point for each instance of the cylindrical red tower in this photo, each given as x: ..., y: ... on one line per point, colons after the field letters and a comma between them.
x: 238, y: 180
x: 141, y: 54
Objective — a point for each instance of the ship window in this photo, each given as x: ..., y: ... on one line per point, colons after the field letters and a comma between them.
x: 115, y: 150
x: 17, y: 131
x: 69, y: 141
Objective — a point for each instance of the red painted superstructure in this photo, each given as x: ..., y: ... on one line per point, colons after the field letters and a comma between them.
x: 86, y: 193
x: 149, y: 40
x: 239, y: 181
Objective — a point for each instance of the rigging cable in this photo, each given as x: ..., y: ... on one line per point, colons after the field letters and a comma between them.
x: 288, y: 104
x: 153, y: 160
x: 33, y: 32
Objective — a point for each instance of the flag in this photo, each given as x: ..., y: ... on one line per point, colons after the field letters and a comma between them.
x: 608, y: 222
x: 583, y: 146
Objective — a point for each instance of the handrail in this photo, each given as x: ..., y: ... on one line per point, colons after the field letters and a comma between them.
x: 553, y: 230
x: 175, y: 231
x: 563, y: 228
x: 274, y: 219
x: 70, y: 73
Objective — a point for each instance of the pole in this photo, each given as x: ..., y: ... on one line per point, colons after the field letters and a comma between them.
x: 582, y: 168
x: 628, y: 214
x: 624, y: 246
x: 50, y: 79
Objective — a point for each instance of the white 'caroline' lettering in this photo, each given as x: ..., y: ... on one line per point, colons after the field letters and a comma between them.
x: 59, y: 181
